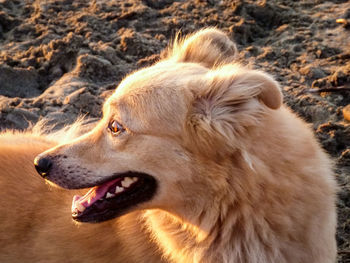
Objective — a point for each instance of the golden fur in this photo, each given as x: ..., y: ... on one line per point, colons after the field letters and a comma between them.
x: 241, y: 178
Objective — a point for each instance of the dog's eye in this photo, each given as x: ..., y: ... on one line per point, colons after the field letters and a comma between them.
x: 115, y: 127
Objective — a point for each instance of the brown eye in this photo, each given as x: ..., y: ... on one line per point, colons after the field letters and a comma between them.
x: 115, y: 127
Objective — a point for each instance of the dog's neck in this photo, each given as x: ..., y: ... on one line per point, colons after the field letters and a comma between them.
x: 180, y: 240
x: 231, y: 238
x: 202, y: 236
x: 225, y: 231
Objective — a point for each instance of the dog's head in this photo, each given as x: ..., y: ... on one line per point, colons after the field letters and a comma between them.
x: 165, y: 133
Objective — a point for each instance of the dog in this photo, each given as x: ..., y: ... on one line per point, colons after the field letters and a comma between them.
x: 196, y: 159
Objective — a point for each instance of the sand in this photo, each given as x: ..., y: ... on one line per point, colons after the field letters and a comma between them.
x: 61, y: 58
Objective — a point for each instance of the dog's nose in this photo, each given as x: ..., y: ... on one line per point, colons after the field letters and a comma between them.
x: 42, y: 165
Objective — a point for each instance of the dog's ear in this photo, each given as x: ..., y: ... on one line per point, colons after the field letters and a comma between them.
x: 210, y: 47
x: 229, y: 103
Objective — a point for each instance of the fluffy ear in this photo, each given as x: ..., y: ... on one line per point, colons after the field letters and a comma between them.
x: 268, y: 89
x: 209, y: 47
x: 232, y: 101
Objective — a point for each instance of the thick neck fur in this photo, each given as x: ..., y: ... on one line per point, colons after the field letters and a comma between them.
x: 222, y: 231
x: 254, y: 221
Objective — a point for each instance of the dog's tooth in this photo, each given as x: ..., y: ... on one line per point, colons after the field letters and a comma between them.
x: 76, y: 198
x: 119, y: 189
x: 127, y: 182
x: 109, y: 195
x: 80, y: 207
x: 134, y: 179
x: 89, y: 200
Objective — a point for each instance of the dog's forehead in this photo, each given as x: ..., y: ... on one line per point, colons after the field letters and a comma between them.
x: 156, y: 97
x: 164, y: 75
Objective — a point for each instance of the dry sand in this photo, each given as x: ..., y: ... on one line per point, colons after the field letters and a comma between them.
x: 61, y: 58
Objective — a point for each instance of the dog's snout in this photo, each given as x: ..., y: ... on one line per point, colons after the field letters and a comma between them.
x: 42, y: 165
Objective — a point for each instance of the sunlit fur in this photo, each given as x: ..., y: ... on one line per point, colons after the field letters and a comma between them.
x: 36, y: 224
x: 241, y: 178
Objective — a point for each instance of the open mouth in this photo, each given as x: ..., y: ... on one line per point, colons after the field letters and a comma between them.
x: 114, y: 197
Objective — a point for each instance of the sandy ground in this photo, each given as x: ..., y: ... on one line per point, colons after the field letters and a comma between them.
x: 61, y: 58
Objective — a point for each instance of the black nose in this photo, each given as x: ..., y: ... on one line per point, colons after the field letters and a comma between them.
x: 42, y: 165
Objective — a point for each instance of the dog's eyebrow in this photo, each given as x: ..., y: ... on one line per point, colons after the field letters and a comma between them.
x: 116, y: 108
x: 111, y: 105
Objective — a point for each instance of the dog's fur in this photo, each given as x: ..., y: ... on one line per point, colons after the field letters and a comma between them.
x: 241, y: 178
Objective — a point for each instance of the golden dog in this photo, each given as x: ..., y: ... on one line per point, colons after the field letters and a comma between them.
x: 197, y: 159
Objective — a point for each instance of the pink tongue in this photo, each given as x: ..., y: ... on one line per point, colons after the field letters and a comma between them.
x: 92, y: 195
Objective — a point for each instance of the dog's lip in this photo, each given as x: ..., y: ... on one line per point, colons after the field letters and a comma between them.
x: 102, y: 180
x: 99, y: 189
x: 96, y: 206
x: 94, y: 194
